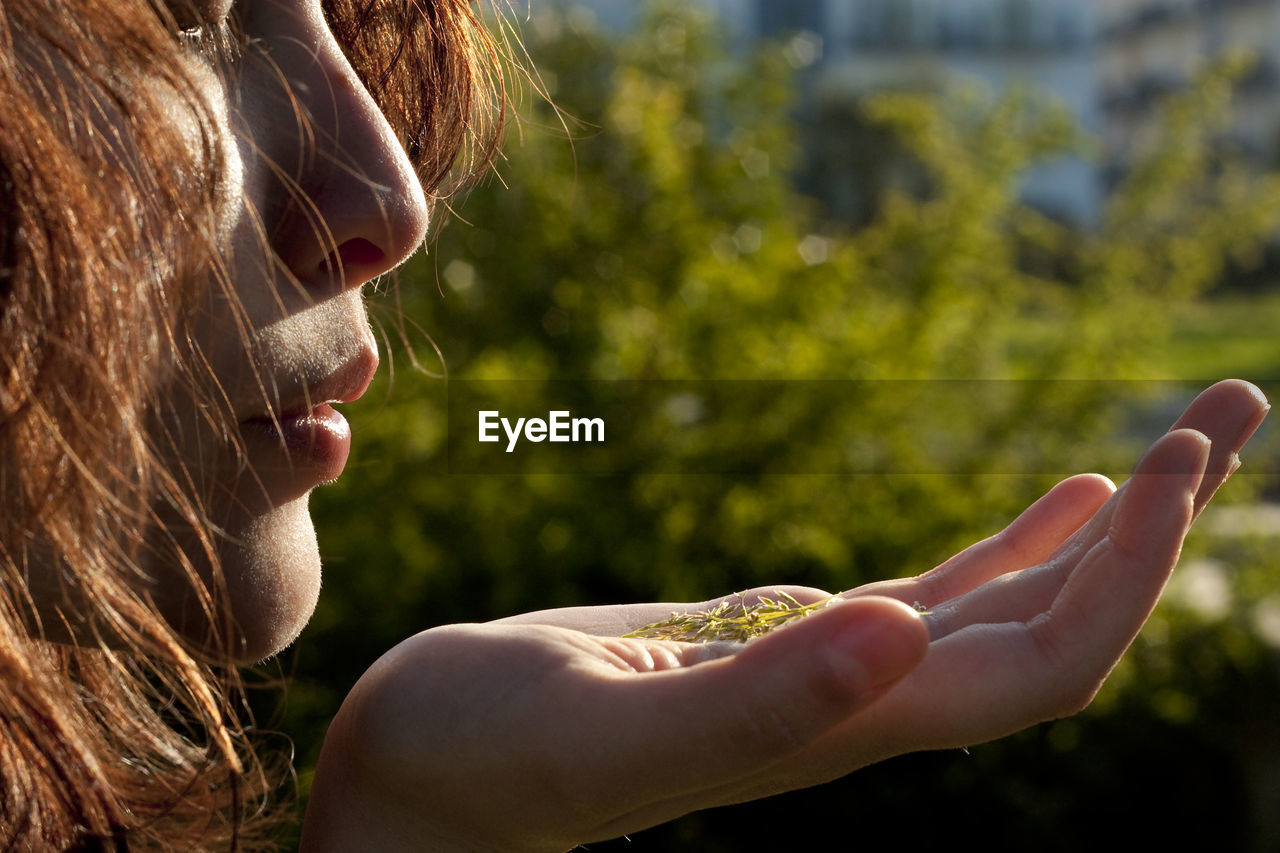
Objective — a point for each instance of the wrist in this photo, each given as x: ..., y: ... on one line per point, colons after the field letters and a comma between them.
x: 368, y: 795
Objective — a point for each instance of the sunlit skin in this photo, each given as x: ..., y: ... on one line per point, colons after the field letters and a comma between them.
x: 313, y: 166
x: 546, y: 730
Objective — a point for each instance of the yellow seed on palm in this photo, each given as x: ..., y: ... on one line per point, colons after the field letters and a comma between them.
x: 732, y: 620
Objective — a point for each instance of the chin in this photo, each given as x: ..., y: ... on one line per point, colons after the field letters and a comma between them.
x: 271, y: 563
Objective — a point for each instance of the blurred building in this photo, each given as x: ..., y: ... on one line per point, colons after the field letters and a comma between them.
x: 1107, y: 61
x: 1048, y: 45
x: 1151, y: 47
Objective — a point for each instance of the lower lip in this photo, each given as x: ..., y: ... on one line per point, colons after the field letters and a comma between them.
x: 319, y: 441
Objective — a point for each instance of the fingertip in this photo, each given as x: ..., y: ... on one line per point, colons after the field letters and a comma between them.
x: 1241, y: 386
x: 879, y: 642
x: 1179, y: 452
x: 1101, y: 480
x: 1190, y: 435
x: 1199, y: 448
x: 1255, y: 392
x: 1159, y: 500
x: 1081, y: 493
x: 1261, y: 408
x: 1086, y: 488
x: 1229, y: 411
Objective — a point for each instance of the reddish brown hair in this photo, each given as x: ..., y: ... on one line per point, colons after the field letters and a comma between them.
x: 113, y: 732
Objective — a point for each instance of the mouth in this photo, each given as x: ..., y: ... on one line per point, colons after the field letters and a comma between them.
x: 317, y: 441
x: 309, y: 433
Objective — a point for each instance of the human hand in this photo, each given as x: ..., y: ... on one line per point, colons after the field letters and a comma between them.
x: 530, y: 734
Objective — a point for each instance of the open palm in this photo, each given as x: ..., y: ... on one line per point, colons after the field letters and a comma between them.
x: 546, y: 730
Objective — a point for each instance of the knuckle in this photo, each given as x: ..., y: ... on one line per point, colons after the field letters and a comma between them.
x: 1073, y: 684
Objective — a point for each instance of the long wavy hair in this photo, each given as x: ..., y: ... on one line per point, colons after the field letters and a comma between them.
x: 115, y: 732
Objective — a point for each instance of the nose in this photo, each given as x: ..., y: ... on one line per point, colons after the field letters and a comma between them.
x: 348, y: 203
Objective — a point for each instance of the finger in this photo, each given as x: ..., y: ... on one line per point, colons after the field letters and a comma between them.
x: 1029, y: 539
x: 1228, y: 412
x: 1112, y: 592
x: 1022, y: 597
x: 996, y: 678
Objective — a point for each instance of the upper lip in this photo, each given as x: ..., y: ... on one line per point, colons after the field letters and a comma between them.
x: 344, y: 385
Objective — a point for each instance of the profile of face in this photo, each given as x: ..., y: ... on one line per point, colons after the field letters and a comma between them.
x: 318, y: 199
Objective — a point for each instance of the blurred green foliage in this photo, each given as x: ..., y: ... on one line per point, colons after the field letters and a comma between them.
x: 1229, y: 333
x: 645, y: 227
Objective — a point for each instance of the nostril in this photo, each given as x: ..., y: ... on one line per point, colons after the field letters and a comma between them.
x: 356, y: 254
x: 361, y: 252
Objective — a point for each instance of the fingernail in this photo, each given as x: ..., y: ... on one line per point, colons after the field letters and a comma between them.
x: 1235, y: 464
x: 1199, y: 472
x: 1258, y: 394
x: 1174, y: 463
x: 1251, y: 426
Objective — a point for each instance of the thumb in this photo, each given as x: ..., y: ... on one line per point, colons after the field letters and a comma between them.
x: 735, y: 715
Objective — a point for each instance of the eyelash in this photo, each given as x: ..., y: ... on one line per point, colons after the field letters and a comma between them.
x: 223, y: 41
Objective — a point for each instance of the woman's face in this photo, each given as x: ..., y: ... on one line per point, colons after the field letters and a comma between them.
x: 319, y: 199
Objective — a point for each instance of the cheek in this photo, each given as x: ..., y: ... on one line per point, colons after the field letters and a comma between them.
x: 215, y: 169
